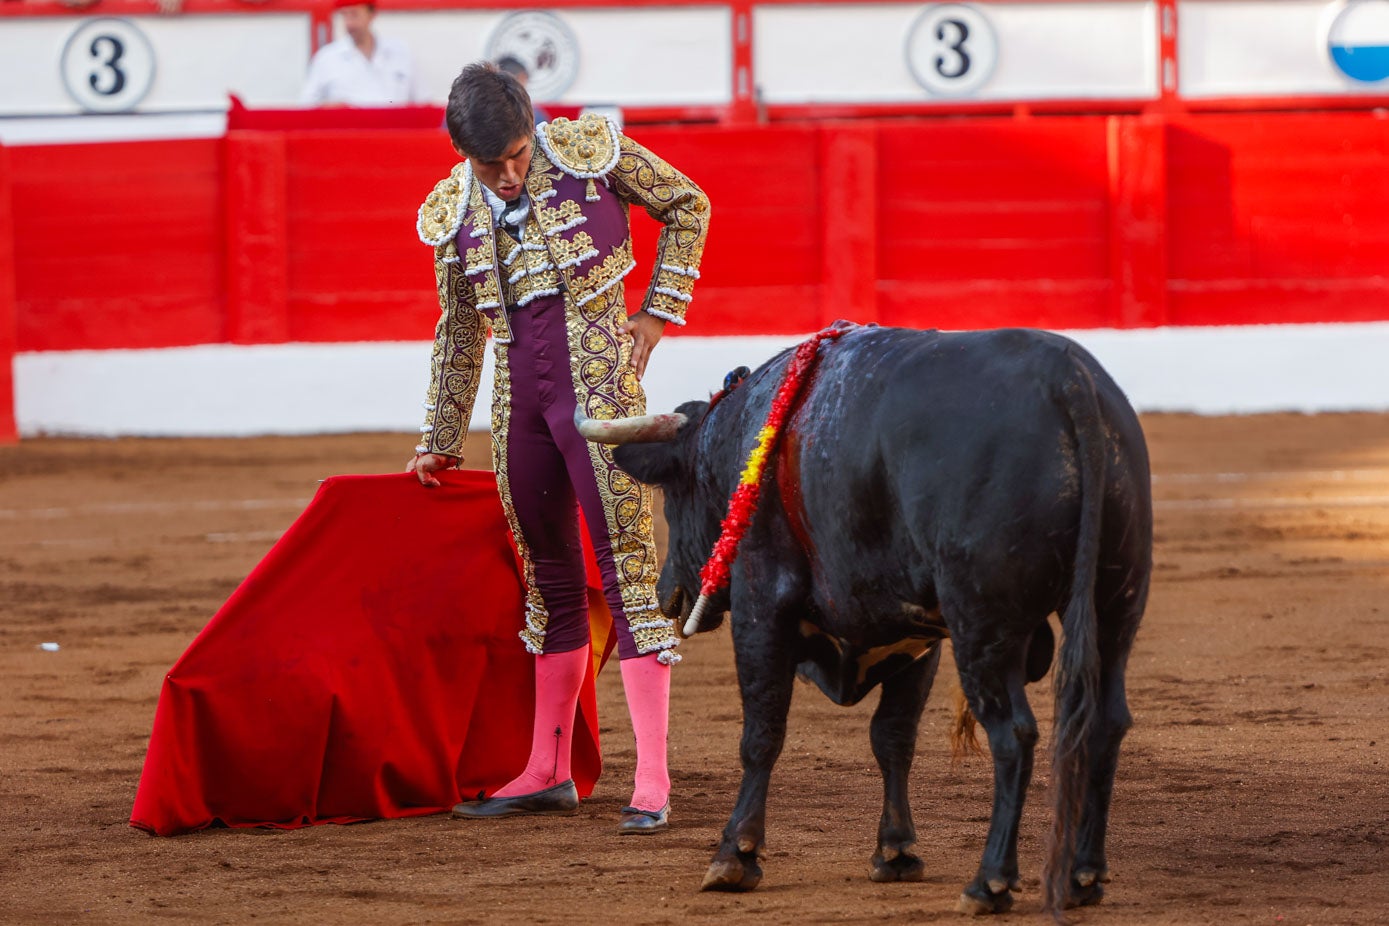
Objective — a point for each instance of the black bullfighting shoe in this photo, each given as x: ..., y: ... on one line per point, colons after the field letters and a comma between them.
x: 563, y: 798
x: 636, y: 822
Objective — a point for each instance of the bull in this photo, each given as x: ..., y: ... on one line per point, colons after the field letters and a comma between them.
x: 928, y: 485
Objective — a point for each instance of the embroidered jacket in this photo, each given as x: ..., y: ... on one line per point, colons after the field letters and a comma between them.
x: 583, y: 176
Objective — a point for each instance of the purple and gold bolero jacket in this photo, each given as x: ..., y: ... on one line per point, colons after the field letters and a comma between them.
x: 583, y: 177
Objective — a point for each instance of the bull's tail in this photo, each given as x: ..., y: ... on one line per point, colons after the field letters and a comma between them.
x: 1078, y: 668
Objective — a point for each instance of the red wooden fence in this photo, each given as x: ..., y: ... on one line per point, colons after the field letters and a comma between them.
x: 7, y: 305
x: 1060, y: 222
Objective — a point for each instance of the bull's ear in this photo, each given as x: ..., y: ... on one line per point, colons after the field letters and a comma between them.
x: 655, y: 464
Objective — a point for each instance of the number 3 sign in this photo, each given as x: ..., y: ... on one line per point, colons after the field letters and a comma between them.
x: 951, y: 49
x: 107, y: 65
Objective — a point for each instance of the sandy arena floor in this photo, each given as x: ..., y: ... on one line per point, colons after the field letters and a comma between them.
x: 1254, y: 787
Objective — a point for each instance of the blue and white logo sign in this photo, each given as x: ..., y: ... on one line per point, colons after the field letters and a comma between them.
x: 1357, y: 39
x: 951, y: 49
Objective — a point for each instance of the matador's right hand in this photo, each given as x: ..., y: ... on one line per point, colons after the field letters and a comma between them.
x: 425, y: 465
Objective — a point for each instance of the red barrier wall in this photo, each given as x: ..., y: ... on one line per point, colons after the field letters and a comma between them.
x: 118, y: 245
x: 1064, y: 222
x: 1278, y: 219
x: 8, y: 432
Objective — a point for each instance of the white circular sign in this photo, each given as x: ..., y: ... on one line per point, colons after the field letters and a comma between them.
x: 107, y: 65
x: 545, y: 44
x: 951, y: 49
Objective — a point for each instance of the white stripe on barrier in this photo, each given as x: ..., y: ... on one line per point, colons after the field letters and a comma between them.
x: 229, y: 390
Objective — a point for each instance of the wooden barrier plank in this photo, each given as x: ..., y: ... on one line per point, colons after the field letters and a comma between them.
x: 8, y: 430
x: 257, y: 237
x: 1068, y: 222
x: 850, y: 192
x: 1138, y: 221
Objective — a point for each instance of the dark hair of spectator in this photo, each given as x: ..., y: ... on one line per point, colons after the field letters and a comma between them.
x: 488, y: 110
x: 510, y: 64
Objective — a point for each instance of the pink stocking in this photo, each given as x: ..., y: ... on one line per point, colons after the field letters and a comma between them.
x: 558, y: 677
x: 647, y: 685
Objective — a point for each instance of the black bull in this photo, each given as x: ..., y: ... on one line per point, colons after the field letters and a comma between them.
x: 928, y: 485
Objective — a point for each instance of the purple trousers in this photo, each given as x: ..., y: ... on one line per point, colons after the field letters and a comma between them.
x: 552, y: 475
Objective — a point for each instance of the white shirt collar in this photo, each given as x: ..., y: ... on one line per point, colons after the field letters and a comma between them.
x: 515, y: 212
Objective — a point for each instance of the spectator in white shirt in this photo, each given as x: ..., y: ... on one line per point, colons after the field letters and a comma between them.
x: 510, y: 64
x: 362, y: 68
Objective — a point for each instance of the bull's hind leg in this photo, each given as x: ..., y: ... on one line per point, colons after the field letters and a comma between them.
x: 992, y: 675
x: 766, y: 672
x: 893, y: 734
x: 1091, y: 867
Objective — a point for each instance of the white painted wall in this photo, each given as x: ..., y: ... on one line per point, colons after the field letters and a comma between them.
x: 635, y: 56
x: 641, y: 56
x: 1268, y: 48
x: 224, y: 390
x: 681, y: 55
x: 858, y: 53
x: 198, y: 60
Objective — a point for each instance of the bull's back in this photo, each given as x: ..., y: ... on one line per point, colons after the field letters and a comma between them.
x: 932, y: 452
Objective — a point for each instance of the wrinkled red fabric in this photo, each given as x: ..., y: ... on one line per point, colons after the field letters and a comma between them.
x: 368, y: 667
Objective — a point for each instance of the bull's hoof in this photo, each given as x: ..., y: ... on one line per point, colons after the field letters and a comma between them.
x: 1084, y: 894
x: 905, y: 867
x: 982, y: 900
x: 732, y: 874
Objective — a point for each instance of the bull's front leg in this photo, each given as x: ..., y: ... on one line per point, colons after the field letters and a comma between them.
x: 893, y: 735
x: 766, y: 672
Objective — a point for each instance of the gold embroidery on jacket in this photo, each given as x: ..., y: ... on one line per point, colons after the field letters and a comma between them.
x: 582, y: 147
x: 604, y: 277
x: 671, y: 198
x: 563, y: 214
x: 527, y: 270
x: 605, y: 386
x: 460, y: 338
x: 478, y: 260
x: 443, y: 208
x: 569, y: 252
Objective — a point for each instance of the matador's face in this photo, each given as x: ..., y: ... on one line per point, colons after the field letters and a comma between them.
x: 505, y: 175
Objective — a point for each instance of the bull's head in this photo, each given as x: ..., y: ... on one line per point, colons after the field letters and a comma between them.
x: 664, y: 451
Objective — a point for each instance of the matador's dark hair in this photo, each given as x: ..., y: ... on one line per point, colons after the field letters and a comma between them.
x: 488, y: 110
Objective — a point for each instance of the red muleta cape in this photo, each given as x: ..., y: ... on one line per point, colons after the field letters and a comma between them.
x: 368, y: 667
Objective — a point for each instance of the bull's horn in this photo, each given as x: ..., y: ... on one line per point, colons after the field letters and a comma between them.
x: 696, y: 616
x: 639, y: 429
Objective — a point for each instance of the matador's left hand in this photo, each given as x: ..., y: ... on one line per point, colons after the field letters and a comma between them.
x: 646, y: 331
